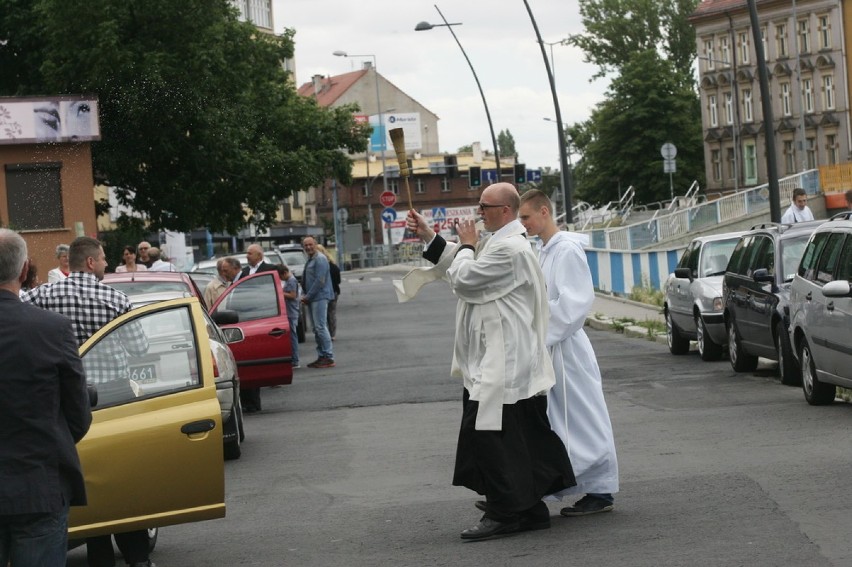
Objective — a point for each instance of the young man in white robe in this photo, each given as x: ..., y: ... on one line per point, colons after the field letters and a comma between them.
x: 506, y: 449
x: 576, y: 405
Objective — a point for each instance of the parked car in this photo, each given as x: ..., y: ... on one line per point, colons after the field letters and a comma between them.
x: 259, y: 333
x: 144, y: 288
x: 821, y: 311
x: 294, y: 258
x: 151, y: 458
x: 693, y: 296
x: 269, y: 256
x: 756, y: 291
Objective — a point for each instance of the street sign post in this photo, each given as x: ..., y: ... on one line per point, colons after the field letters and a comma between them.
x: 389, y: 215
x: 669, y: 152
x: 387, y: 199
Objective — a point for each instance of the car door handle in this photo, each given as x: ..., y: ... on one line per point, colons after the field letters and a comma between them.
x: 830, y: 306
x: 276, y: 332
x: 809, y: 296
x: 198, y: 426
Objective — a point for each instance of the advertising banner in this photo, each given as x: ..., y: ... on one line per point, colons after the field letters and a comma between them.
x: 49, y: 119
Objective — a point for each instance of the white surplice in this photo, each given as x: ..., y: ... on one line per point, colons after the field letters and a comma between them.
x: 501, y: 320
x: 576, y: 406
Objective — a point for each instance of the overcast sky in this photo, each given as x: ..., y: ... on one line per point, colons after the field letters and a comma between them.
x: 429, y: 66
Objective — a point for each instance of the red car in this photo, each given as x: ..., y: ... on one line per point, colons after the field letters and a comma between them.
x: 253, y: 316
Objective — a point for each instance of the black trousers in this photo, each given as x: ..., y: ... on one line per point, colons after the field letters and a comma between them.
x: 250, y: 399
x: 515, y: 467
x: 132, y: 545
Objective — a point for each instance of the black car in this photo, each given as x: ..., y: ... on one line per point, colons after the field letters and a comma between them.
x: 756, y: 295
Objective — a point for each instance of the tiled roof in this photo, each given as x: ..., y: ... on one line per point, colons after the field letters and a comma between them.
x: 331, y: 88
x: 713, y: 7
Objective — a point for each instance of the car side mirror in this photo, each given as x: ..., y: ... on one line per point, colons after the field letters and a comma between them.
x: 839, y: 288
x: 762, y: 275
x: 225, y: 317
x: 683, y: 273
x: 92, y: 391
x: 233, y: 335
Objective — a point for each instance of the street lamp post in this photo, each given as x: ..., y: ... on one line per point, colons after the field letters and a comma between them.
x: 424, y: 26
x: 383, y: 139
x: 567, y: 180
x: 563, y: 158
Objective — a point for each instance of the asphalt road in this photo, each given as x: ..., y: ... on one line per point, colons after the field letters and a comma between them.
x: 352, y: 466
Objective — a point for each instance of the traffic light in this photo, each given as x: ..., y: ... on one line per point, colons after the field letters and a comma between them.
x: 520, y: 173
x: 475, y: 174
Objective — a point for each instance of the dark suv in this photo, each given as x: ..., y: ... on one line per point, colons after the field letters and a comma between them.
x: 756, y: 293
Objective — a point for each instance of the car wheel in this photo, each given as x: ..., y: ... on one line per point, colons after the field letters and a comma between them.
x: 677, y: 343
x: 240, y: 419
x: 816, y: 393
x: 741, y: 361
x: 152, y: 538
x: 787, y: 368
x: 706, y: 347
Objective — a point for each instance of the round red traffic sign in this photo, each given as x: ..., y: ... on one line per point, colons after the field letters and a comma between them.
x: 387, y: 199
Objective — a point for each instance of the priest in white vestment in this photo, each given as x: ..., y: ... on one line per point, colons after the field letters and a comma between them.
x: 506, y: 448
x: 576, y: 405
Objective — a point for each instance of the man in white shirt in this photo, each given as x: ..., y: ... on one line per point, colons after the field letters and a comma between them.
x: 157, y: 262
x: 799, y: 210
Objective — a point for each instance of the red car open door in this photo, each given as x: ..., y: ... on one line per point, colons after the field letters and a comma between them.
x: 264, y: 353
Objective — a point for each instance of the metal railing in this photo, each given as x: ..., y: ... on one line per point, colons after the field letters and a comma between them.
x: 674, y: 221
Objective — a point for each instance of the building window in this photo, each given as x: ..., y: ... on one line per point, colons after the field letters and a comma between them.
x: 789, y: 157
x: 445, y: 185
x: 804, y: 36
x: 750, y: 163
x: 786, y: 106
x: 365, y: 190
x: 831, y: 149
x: 724, y: 49
x: 393, y: 186
x: 713, y: 111
x: 748, y: 108
x: 732, y: 163
x: 297, y: 201
x: 729, y: 109
x: 810, y: 152
x: 419, y: 185
x: 824, y: 32
x: 828, y: 92
x: 781, y: 40
x: 744, y: 55
x: 808, y: 95
x: 765, y: 43
x: 709, y: 55
x: 716, y: 160
x: 34, y: 196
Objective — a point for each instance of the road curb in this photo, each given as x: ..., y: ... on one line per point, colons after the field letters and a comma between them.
x: 603, y: 323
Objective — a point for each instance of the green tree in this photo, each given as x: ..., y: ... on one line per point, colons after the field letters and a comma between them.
x: 617, y: 29
x: 506, y: 143
x: 465, y: 149
x: 198, y: 121
x: 620, y: 143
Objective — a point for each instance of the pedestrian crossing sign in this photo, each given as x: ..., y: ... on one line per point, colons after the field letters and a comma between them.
x: 439, y: 213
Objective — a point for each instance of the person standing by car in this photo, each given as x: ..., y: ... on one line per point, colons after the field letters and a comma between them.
x: 799, y: 210
x: 250, y: 397
x: 291, y: 295
x: 143, y: 258
x: 60, y: 272
x: 130, y: 265
x: 228, y: 269
x: 90, y: 305
x: 318, y: 292
x: 44, y: 412
x: 335, y: 286
x: 575, y: 405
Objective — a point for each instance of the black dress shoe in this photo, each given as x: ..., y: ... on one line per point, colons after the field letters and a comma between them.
x: 488, y: 528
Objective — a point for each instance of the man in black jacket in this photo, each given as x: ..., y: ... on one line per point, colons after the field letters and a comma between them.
x: 44, y: 412
x: 250, y: 397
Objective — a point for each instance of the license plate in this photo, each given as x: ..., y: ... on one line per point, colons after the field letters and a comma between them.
x: 144, y: 373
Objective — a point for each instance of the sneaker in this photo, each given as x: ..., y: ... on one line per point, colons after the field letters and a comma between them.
x: 587, y: 505
x: 325, y: 363
x: 314, y: 364
x: 297, y: 365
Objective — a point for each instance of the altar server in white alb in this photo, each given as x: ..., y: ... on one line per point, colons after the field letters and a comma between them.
x: 575, y: 405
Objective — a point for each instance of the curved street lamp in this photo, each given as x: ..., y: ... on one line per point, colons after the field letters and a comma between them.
x: 425, y: 26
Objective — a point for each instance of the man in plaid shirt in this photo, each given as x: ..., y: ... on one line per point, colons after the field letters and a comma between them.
x: 90, y: 305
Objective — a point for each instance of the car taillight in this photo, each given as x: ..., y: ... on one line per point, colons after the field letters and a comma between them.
x: 215, y: 368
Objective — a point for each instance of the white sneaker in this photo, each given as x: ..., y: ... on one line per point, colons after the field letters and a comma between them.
x: 297, y: 366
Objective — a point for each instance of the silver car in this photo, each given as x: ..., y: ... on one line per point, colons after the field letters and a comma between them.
x: 821, y: 311
x: 693, y: 302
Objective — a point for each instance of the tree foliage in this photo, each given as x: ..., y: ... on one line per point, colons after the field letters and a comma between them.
x: 198, y: 120
x: 506, y: 143
x: 646, y: 106
x: 617, y: 29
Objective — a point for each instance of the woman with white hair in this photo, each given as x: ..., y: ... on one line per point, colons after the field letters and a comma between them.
x: 61, y: 272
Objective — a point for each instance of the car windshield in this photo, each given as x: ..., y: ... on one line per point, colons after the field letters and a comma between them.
x: 715, y: 256
x: 294, y: 258
x: 791, y: 254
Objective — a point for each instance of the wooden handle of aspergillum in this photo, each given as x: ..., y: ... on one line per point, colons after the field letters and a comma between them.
x: 397, y: 137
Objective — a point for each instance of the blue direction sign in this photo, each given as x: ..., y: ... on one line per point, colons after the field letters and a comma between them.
x: 490, y: 175
x: 389, y: 214
x: 533, y: 176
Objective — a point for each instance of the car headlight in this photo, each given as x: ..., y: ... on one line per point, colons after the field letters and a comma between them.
x: 718, y: 304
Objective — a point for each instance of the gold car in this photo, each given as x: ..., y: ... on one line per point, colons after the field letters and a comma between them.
x: 153, y: 456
